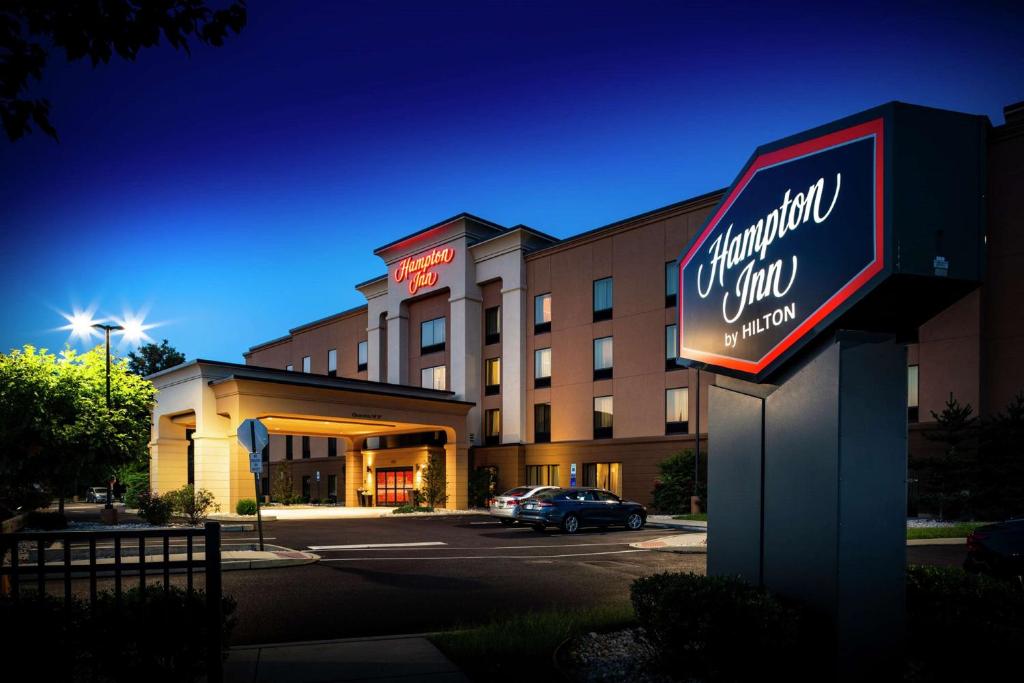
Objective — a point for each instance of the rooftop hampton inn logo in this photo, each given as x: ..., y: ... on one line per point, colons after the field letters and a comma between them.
x: 798, y: 234
x: 419, y: 270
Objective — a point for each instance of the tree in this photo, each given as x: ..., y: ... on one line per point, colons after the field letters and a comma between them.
x: 432, y: 482
x: 674, y: 487
x: 151, y: 358
x: 97, y: 30
x: 947, y: 477
x: 281, y: 485
x: 56, y: 428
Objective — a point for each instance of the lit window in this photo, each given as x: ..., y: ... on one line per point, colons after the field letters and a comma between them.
x: 603, y: 475
x: 542, y: 475
x: 542, y: 368
x: 603, y: 417
x: 603, y: 358
x: 671, y: 282
x: 332, y: 362
x: 912, y: 394
x: 542, y: 423
x: 361, y: 356
x: 677, y: 410
x: 492, y: 376
x: 307, y: 364
x: 671, y: 347
x: 432, y: 378
x: 432, y: 335
x: 602, y: 299
x: 492, y: 427
x: 289, y: 367
x: 542, y: 313
x: 492, y: 325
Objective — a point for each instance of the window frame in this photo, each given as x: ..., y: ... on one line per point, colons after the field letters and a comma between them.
x: 671, y: 362
x: 603, y: 313
x: 541, y: 381
x: 289, y: 447
x: 677, y: 426
x: 914, y: 409
x: 307, y: 364
x: 492, y: 337
x: 307, y: 450
x: 671, y: 277
x: 539, y: 436
x: 603, y: 372
x: 543, y: 326
x: 604, y: 431
x: 492, y: 389
x: 362, y: 355
x: 332, y: 359
x: 492, y: 438
x: 547, y: 479
x: 435, y: 345
x: 433, y: 377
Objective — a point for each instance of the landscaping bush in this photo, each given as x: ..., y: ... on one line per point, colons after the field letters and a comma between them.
x: 151, y: 635
x: 483, y: 483
x: 672, y: 491
x: 46, y: 521
x: 136, y: 483
x: 701, y: 624
x: 406, y: 509
x: 154, y: 508
x: 194, y: 505
x: 246, y: 506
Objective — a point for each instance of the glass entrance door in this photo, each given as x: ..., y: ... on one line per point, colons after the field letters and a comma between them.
x: 394, y: 486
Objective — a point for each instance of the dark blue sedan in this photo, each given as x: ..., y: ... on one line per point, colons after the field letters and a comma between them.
x: 572, y: 509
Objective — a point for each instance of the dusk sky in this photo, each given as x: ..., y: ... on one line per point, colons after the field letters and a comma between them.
x: 241, y: 192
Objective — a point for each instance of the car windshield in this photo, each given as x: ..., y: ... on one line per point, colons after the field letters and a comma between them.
x: 517, y: 491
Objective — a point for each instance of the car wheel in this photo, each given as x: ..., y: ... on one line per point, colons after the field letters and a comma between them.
x: 505, y: 522
x: 538, y: 527
x: 571, y: 524
x: 635, y: 521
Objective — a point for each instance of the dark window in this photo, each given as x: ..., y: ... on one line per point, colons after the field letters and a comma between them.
x: 288, y: 447
x: 306, y: 479
x: 542, y: 313
x: 332, y: 447
x: 603, y: 358
x: 603, y: 299
x: 332, y: 486
x: 492, y: 325
x: 266, y: 456
x: 603, y: 417
x: 332, y: 362
x: 432, y: 335
x: 492, y: 427
x: 671, y: 348
x: 492, y: 376
x: 265, y: 486
x: 677, y: 411
x: 542, y: 423
x: 191, y: 456
x: 305, y: 447
x: 913, y: 412
x: 671, y: 283
x: 361, y: 356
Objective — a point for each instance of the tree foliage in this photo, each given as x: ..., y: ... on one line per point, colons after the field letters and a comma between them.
x: 29, y: 29
x: 151, y: 358
x: 433, y: 485
x: 675, y: 485
x: 56, y: 428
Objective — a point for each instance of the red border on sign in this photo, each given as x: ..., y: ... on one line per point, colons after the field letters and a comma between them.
x: 874, y: 128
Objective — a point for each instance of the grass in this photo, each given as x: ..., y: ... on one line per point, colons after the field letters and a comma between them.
x: 699, y: 517
x: 505, y: 645
x: 959, y: 530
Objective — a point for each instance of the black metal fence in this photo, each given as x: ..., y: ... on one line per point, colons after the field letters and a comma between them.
x: 78, y: 555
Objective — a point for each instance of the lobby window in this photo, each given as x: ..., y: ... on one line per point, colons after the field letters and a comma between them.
x: 432, y: 378
x: 492, y: 376
x: 305, y: 447
x: 603, y: 358
x: 603, y: 417
x: 542, y: 475
x: 603, y: 299
x: 362, y: 352
x: 492, y: 325
x: 542, y: 423
x: 603, y: 475
x: 307, y: 364
x: 671, y: 283
x: 912, y: 394
x: 332, y: 486
x: 677, y: 411
x: 542, y: 313
x: 432, y: 335
x: 492, y: 427
x: 289, y: 367
x: 288, y: 447
x: 332, y: 447
x: 542, y: 368
x: 264, y: 486
x: 306, y: 485
x: 332, y: 362
x: 671, y: 347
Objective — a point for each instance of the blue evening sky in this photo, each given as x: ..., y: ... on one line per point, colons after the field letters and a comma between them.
x: 240, y: 192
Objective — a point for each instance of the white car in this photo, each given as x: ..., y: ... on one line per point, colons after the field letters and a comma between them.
x: 505, y: 506
x: 96, y: 494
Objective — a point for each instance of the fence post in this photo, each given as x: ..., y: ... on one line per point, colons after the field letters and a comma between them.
x: 214, y: 666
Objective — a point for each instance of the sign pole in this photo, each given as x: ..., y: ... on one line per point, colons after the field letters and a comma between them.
x: 259, y: 515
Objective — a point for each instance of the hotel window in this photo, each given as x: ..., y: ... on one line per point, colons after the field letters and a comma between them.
x: 492, y: 376
x: 603, y: 299
x: 677, y: 411
x: 603, y: 358
x: 492, y: 325
x: 542, y: 423
x: 332, y: 486
x: 542, y: 475
x: 432, y: 378
x: 671, y: 283
x: 542, y: 368
x: 432, y: 335
x: 912, y: 394
x: 603, y: 475
x: 306, y: 486
x: 289, y: 367
x: 332, y: 447
x: 305, y: 448
x: 307, y: 364
x: 362, y: 351
x: 603, y: 417
x: 542, y: 313
x: 288, y: 447
x: 671, y: 347
x: 265, y: 486
x: 332, y: 362
x: 492, y: 427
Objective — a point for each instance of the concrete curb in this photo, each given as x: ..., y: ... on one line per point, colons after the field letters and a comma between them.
x: 937, y: 541
x: 695, y: 543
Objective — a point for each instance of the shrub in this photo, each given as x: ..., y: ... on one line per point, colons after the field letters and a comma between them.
x: 406, y: 509
x: 194, y: 505
x: 136, y: 483
x: 674, y: 487
x: 246, y: 506
x: 433, y: 483
x: 698, y: 622
x: 154, y: 508
x: 46, y: 521
x: 281, y: 485
x: 483, y: 482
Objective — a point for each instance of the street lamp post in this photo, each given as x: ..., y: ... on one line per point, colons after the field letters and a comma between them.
x: 107, y: 329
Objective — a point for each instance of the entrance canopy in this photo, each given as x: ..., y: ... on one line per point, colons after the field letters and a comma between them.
x: 212, y: 398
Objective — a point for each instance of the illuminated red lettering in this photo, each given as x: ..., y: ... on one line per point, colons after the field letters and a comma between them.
x: 419, y: 270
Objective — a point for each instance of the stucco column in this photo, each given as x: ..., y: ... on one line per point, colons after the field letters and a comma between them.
x: 466, y: 315
x: 513, y: 365
x: 353, y: 474
x: 456, y: 472
x: 373, y: 365
x: 168, y: 464
x: 213, y: 466
x: 398, y: 348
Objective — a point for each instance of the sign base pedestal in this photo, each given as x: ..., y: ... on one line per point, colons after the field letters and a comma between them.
x: 807, y: 482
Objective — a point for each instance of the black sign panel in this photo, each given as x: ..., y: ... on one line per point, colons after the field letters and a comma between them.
x: 798, y: 235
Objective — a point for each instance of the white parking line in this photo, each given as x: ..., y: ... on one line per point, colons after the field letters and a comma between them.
x: 371, y: 546
x: 482, y: 557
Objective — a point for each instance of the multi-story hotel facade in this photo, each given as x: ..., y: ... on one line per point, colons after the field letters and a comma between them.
x: 559, y: 353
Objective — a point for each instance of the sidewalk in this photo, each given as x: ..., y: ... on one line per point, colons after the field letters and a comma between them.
x: 694, y: 542
x: 382, y: 659
x: 288, y: 513
x: 667, y: 522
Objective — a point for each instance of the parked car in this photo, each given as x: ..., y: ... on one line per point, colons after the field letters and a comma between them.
x: 96, y: 494
x: 997, y: 549
x: 572, y: 509
x: 505, y: 506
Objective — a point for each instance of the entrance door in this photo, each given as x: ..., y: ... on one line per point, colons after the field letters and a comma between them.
x: 394, y: 486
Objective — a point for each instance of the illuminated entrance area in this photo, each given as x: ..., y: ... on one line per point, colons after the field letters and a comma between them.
x: 394, y: 486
